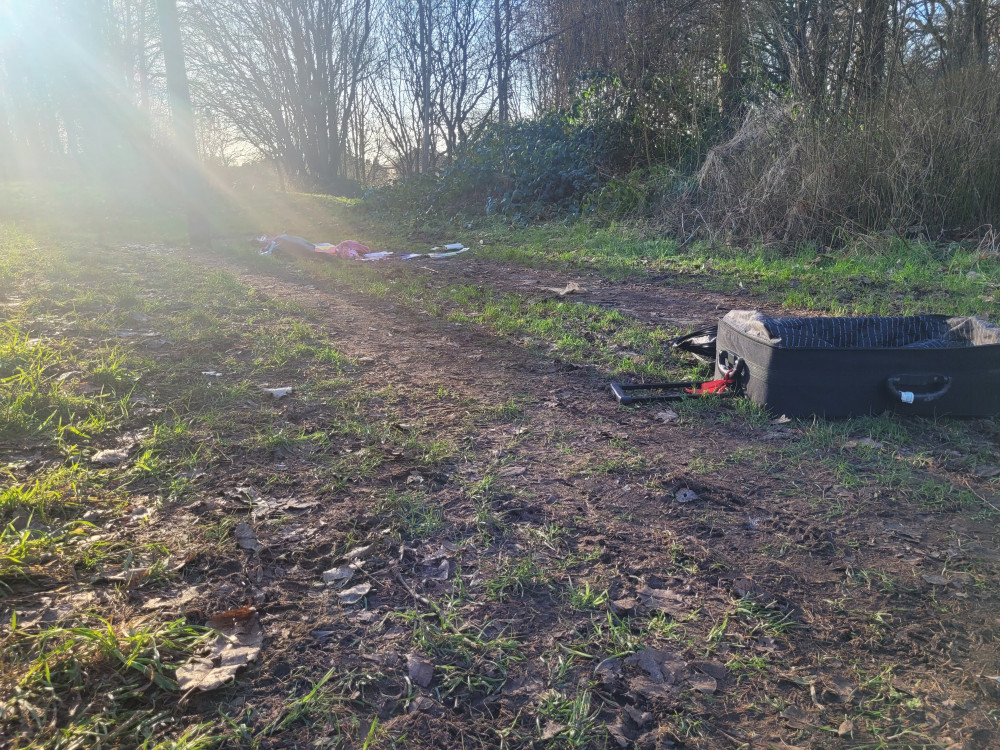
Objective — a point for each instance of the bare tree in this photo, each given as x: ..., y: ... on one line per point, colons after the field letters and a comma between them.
x: 187, y: 168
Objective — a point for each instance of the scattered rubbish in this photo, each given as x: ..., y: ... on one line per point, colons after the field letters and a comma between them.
x: 844, y: 366
x: 686, y: 496
x: 352, y: 249
x: 211, y: 373
x: 277, y: 393
x: 570, y: 288
x: 354, y: 594
x: 338, y: 575
x: 700, y: 343
x: 112, y: 457
x: 781, y: 420
x: 238, y: 643
x: 454, y: 248
x: 246, y: 538
x: 345, y: 249
x: 669, y: 416
x: 421, y: 670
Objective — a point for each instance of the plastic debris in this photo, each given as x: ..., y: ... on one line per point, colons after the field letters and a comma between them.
x: 277, y: 393
x: 439, y: 252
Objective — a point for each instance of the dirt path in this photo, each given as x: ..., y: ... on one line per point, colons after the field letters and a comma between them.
x: 793, y: 602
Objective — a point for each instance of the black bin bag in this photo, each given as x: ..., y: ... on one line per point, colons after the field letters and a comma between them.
x: 923, y: 365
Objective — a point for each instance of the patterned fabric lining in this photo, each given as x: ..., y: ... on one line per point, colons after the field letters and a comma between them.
x: 909, y: 332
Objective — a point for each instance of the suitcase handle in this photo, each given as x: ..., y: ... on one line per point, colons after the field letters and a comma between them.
x: 901, y: 387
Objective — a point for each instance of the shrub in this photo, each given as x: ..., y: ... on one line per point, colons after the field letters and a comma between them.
x: 923, y: 163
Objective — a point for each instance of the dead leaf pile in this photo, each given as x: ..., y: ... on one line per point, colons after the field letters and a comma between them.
x: 239, y: 642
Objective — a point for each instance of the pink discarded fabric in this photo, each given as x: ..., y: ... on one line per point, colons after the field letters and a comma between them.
x: 346, y: 249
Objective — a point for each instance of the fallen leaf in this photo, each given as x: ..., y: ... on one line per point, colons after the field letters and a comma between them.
x: 176, y: 603
x: 571, y: 288
x: 703, y: 683
x: 779, y: 434
x: 663, y: 600
x: 354, y: 594
x: 359, y: 553
x: 552, y: 729
x: 420, y: 669
x: 711, y: 668
x: 663, y: 667
x: 246, y: 538
x: 795, y: 716
x: 649, y: 689
x: 669, y: 416
x: 781, y: 420
x: 422, y: 704
x: 338, y: 575
x: 608, y: 671
x: 129, y: 577
x: 686, y: 496
x: 936, y: 580
x: 277, y: 393
x: 111, y: 457
x: 231, y: 618
x: 987, y: 472
x: 846, y: 727
x: 511, y: 471
x: 239, y: 642
x: 440, y: 573
x: 626, y: 606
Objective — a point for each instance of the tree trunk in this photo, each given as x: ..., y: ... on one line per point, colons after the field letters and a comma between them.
x: 425, y: 73
x: 871, y: 61
x: 499, y: 53
x: 733, y: 41
x: 188, y: 174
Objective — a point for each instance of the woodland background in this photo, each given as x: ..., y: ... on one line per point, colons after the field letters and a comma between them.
x: 781, y: 120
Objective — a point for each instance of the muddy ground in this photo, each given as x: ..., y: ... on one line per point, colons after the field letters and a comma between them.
x: 903, y: 659
x: 578, y: 574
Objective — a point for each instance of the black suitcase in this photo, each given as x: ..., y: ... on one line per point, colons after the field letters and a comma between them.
x: 836, y: 367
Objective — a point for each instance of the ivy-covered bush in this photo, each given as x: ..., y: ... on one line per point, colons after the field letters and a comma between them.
x: 552, y: 165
